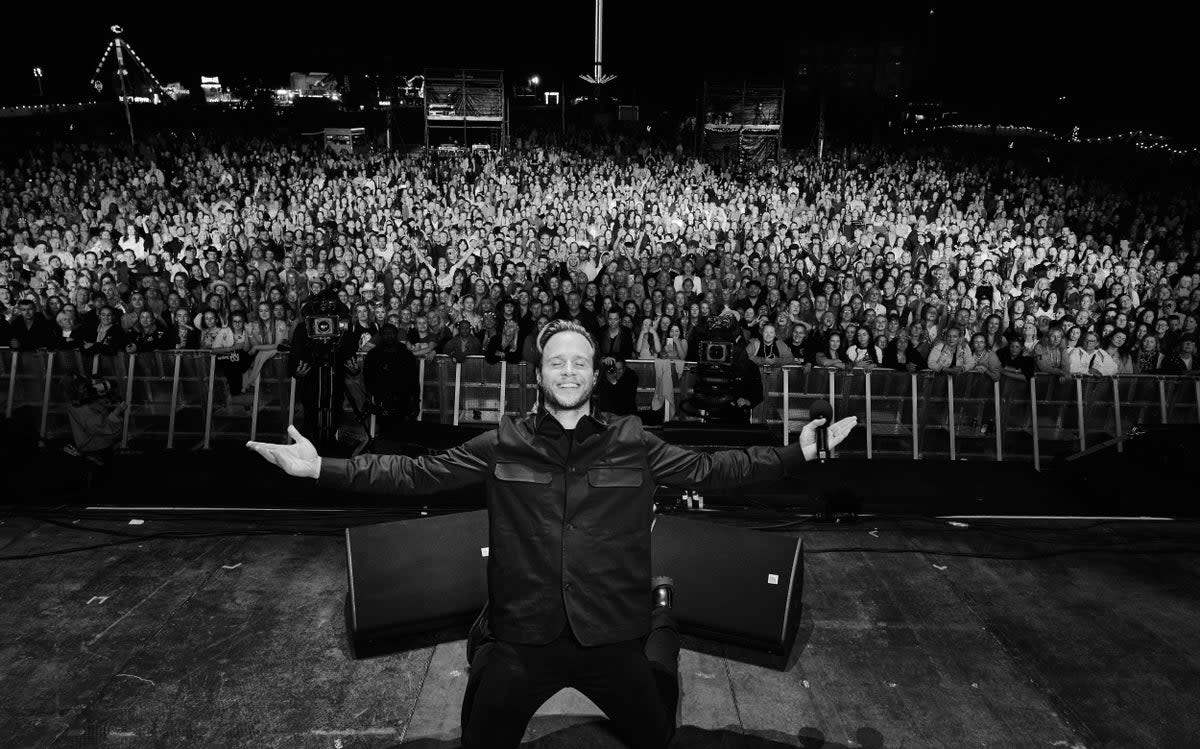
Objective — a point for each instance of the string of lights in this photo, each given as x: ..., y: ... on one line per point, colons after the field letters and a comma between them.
x: 1141, y: 139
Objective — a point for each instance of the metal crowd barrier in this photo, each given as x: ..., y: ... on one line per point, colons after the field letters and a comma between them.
x: 180, y: 399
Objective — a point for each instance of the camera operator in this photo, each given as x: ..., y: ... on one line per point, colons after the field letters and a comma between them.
x: 616, y: 389
x: 328, y: 356
x: 96, y: 415
x: 391, y: 376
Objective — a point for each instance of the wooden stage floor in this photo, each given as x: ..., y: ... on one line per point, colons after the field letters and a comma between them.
x: 238, y: 641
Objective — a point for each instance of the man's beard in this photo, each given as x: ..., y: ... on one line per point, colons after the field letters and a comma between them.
x: 553, y: 402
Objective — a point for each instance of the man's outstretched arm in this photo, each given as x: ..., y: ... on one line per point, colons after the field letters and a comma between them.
x: 387, y: 474
x: 672, y: 465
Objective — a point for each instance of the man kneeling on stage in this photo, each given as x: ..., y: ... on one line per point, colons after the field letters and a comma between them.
x: 569, y: 493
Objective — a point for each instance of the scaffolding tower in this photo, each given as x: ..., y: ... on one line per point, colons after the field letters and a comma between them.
x: 465, y: 104
x: 743, y: 123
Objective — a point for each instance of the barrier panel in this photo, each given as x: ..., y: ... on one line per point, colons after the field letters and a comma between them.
x: 1140, y: 401
x: 520, y: 389
x: 972, y: 416
x: 181, y: 399
x: 271, y: 400
x: 1014, y: 426
x: 890, y: 430
x: 1057, y: 416
x: 8, y: 371
x: 479, y: 391
x: 851, y: 399
x: 1182, y: 400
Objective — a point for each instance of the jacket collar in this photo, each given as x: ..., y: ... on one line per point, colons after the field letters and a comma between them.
x: 545, y: 424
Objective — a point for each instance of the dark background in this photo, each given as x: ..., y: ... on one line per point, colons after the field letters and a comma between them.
x: 1120, y: 66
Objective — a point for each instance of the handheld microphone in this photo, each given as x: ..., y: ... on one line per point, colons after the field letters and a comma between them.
x: 822, y: 410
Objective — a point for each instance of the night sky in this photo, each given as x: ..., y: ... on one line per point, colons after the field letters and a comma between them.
x: 1001, y: 61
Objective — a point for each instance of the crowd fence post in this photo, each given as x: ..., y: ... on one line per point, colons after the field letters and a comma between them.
x: 1116, y: 386
x: 950, y: 421
x: 832, y: 404
x: 869, y: 431
x: 1197, y: 385
x: 174, y: 401
x: 457, y: 390
x: 996, y: 424
x: 46, y: 393
x: 372, y: 430
x: 208, y: 407
x: 1033, y: 417
x: 12, y: 385
x: 503, y: 388
x: 128, y: 401
x: 291, y: 406
x: 915, y: 428
x: 420, y: 389
x: 1079, y: 413
x: 522, y: 387
x: 254, y: 408
x: 95, y: 365
x: 1162, y: 399
x: 786, y: 410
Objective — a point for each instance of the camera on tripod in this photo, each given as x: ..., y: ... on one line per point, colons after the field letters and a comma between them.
x: 325, y: 327
x: 716, y: 352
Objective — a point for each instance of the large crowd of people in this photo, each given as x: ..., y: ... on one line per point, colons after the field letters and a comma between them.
x: 867, y: 258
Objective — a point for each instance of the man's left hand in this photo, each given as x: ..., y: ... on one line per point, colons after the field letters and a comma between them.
x: 838, y: 431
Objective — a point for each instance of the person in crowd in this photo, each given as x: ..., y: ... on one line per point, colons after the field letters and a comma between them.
x: 950, y: 354
x: 862, y: 353
x: 1090, y: 359
x: 181, y: 335
x: 391, y: 376
x: 146, y: 334
x: 67, y: 337
x: 616, y: 389
x: 29, y: 330
x: 833, y: 353
x: 465, y: 343
x: 1115, y: 347
x: 106, y: 337
x: 231, y: 345
x: 1015, y: 363
x: 769, y: 351
x: 506, y: 345
x: 1183, y: 360
x: 1050, y: 355
x: 981, y: 359
x: 901, y: 353
x: 615, y: 341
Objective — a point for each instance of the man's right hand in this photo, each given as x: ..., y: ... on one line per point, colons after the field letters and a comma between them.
x: 299, y: 459
x: 303, y: 368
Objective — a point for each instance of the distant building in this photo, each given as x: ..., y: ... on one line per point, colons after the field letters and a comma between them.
x: 176, y: 90
x: 214, y: 92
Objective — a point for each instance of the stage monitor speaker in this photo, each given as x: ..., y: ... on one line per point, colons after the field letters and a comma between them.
x: 413, y: 577
x: 732, y: 585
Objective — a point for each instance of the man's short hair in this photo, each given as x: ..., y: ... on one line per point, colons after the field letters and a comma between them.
x: 554, y: 327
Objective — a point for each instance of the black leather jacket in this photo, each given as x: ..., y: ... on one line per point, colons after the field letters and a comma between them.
x: 569, y: 515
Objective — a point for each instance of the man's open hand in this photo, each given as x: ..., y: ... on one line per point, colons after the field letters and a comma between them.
x: 298, y: 459
x: 839, y: 431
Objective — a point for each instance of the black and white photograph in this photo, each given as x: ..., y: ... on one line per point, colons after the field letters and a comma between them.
x: 595, y: 375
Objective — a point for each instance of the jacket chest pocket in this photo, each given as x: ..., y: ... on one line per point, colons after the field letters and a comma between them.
x: 522, y: 501
x: 615, y: 478
x: 519, y: 473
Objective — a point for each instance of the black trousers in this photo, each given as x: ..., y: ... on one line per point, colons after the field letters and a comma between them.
x: 635, y: 683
